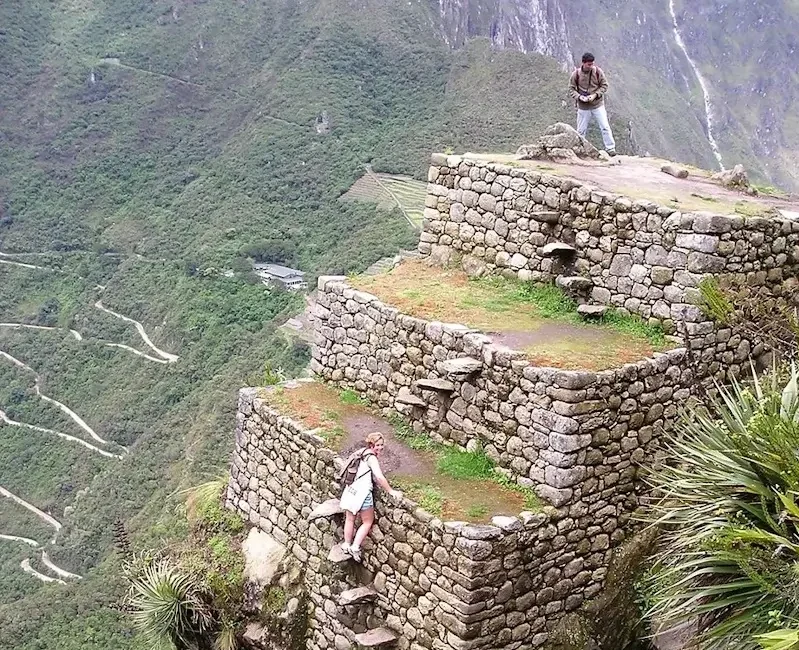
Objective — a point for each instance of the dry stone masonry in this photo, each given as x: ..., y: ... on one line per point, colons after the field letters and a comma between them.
x: 578, y: 439
x: 636, y: 255
x: 425, y: 583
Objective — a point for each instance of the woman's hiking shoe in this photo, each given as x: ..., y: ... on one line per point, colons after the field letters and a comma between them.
x: 355, y: 553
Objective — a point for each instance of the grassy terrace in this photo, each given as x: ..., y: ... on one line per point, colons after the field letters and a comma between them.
x: 446, y: 482
x: 539, y: 320
x: 390, y: 191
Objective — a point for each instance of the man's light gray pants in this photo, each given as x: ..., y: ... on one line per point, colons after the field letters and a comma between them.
x: 601, y: 117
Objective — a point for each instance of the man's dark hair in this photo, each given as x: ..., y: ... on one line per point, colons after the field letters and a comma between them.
x: 588, y: 57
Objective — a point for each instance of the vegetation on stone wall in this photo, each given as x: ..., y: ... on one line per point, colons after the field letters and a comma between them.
x: 728, y: 555
x: 191, y: 595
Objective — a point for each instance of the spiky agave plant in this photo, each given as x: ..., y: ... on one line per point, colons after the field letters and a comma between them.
x: 167, y: 606
x: 729, y: 560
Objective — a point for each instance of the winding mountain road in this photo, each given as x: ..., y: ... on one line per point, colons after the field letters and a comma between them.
x: 79, y: 337
x: 170, y: 358
x: 51, y: 521
x: 13, y: 423
x: 57, y: 569
x: 17, y: 538
x: 27, y: 568
x: 75, y: 334
x: 48, y: 519
x: 63, y: 407
x: 23, y: 265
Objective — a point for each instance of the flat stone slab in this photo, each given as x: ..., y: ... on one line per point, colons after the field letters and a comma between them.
x: 380, y: 636
x: 573, y: 283
x: 557, y: 248
x: 592, y: 311
x: 461, y: 366
x: 337, y: 555
x: 357, y: 596
x: 673, y: 170
x: 443, y: 385
x: 327, y: 509
x: 407, y: 397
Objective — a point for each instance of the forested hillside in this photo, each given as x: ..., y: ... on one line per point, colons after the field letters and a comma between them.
x: 146, y: 148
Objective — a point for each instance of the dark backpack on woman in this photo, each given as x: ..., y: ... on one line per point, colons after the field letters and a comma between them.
x: 348, y: 474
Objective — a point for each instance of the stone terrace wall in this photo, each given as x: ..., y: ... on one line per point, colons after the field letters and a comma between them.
x: 443, y: 585
x: 642, y: 257
x: 573, y: 436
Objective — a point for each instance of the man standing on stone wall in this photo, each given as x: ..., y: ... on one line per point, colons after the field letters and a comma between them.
x: 588, y: 86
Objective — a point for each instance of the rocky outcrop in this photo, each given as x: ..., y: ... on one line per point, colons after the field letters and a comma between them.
x: 274, y: 595
x: 735, y: 179
x: 559, y: 143
x: 613, y: 619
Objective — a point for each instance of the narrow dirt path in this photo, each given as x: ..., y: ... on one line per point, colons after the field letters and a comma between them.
x: 57, y: 569
x: 79, y: 337
x: 48, y: 519
x: 27, y: 568
x: 75, y: 334
x: 13, y: 423
x: 17, y: 538
x: 24, y: 265
x: 135, y: 351
x: 171, y: 358
x: 75, y: 417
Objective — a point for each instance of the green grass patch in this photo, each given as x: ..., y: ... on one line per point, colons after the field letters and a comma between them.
x: 331, y: 435
x: 429, y: 497
x: 350, y: 398
x: 476, y: 511
x: 504, y: 294
x: 416, y: 441
x: 531, y: 500
x: 749, y: 209
x: 770, y: 190
x: 552, y: 303
x: 462, y: 465
x: 634, y: 325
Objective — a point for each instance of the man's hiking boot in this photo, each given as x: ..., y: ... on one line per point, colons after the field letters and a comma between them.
x: 612, y: 153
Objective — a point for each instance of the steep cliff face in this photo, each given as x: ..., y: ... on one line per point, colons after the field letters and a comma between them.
x: 526, y: 25
x: 708, y: 82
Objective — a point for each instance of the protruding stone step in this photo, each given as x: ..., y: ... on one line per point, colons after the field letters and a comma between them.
x: 443, y: 385
x: 327, y: 509
x: 357, y: 596
x: 573, y: 283
x: 592, y: 311
x: 461, y: 367
x: 379, y: 637
x: 405, y: 396
x: 337, y: 555
x: 546, y: 216
x: 558, y: 249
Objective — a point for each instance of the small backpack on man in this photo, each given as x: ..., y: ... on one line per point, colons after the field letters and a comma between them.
x: 348, y: 474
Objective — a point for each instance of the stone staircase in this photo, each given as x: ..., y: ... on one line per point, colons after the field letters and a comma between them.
x: 356, y: 602
x: 575, y: 286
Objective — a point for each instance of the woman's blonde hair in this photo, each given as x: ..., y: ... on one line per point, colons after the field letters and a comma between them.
x: 373, y: 438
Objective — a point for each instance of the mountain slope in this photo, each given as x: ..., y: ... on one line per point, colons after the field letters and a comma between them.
x: 145, y: 145
x: 743, y: 50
